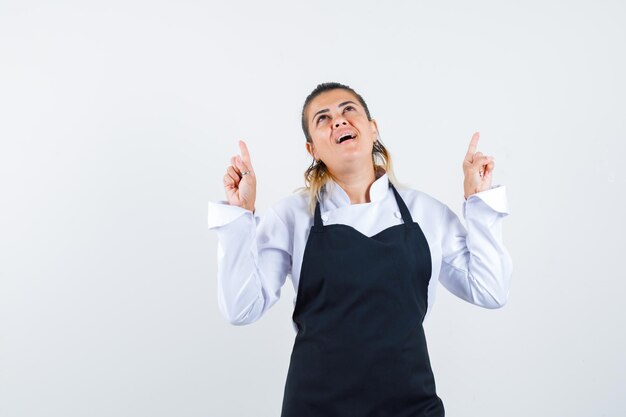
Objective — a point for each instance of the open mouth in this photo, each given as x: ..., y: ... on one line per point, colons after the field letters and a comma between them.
x: 346, y: 137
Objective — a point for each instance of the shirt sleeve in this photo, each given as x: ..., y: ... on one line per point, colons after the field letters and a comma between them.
x: 253, y: 260
x: 476, y: 266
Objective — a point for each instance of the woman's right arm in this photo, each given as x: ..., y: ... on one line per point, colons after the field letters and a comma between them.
x: 253, y: 260
x: 253, y: 254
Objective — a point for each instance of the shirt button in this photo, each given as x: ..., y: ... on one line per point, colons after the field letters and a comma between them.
x: 324, y: 217
x: 397, y: 214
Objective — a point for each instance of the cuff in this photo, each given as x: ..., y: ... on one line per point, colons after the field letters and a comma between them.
x: 221, y: 213
x: 494, y: 198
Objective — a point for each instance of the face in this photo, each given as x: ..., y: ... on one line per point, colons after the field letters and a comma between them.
x: 333, y: 115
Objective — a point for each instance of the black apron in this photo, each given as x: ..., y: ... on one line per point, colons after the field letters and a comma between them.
x: 360, y: 350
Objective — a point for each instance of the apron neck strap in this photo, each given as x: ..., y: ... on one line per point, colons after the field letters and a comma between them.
x: 406, y: 214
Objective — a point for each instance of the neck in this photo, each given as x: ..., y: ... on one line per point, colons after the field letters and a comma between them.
x: 357, y: 184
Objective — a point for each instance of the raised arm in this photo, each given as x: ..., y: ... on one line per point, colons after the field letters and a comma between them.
x: 475, y: 264
x: 253, y: 252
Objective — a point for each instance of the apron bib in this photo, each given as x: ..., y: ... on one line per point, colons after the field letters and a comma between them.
x: 360, y: 350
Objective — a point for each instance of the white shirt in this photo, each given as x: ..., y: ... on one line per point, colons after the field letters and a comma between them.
x: 255, y: 254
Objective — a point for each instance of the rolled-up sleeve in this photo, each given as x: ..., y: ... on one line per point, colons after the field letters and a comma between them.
x: 253, y: 260
x: 476, y: 266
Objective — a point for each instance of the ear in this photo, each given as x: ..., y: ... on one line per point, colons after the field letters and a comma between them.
x: 374, y: 126
x: 311, y: 150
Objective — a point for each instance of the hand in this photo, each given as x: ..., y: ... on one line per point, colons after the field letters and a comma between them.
x: 241, y: 190
x: 477, y: 169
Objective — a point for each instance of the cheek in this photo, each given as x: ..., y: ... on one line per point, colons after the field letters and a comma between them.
x: 360, y: 121
x: 320, y: 136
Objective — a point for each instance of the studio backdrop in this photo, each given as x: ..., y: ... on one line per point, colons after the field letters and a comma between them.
x: 118, y: 121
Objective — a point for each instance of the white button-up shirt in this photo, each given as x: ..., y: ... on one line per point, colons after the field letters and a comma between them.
x: 256, y: 254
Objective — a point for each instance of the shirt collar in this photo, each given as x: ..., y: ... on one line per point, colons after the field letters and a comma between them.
x: 337, y: 197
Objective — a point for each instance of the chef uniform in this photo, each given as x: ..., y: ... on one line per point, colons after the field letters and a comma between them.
x: 360, y: 350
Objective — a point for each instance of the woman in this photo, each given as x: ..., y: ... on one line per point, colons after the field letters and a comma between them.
x: 364, y: 257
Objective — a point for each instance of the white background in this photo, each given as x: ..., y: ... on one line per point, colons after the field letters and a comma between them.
x: 117, y: 122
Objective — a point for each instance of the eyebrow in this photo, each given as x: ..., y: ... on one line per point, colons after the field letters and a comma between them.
x: 327, y: 110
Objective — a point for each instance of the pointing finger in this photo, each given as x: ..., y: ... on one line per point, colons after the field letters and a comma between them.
x: 472, y: 146
x: 245, y: 155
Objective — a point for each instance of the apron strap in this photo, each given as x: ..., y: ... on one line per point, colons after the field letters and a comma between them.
x: 318, y: 217
x: 406, y: 214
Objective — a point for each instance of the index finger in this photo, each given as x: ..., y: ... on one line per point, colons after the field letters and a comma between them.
x: 244, y: 153
x: 471, y: 150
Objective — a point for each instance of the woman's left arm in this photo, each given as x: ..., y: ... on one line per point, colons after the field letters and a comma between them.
x: 475, y: 264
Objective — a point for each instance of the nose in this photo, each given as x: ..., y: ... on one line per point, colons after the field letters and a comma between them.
x: 340, y: 123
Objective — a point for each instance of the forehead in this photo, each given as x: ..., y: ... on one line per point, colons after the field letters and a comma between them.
x: 331, y: 99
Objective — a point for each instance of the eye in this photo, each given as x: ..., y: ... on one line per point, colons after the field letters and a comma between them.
x: 349, y: 107
x: 320, y: 118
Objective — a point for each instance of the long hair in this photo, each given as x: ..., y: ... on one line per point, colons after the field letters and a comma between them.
x: 317, y: 174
